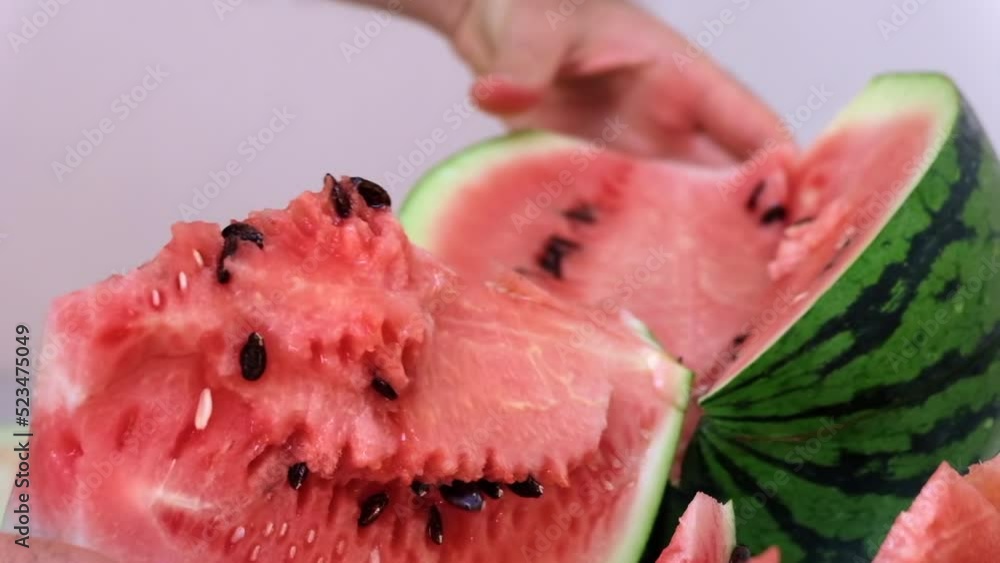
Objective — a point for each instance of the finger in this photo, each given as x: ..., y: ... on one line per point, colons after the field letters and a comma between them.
x: 527, y: 51
x: 735, y: 118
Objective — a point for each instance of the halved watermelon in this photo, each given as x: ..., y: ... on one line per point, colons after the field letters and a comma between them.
x: 952, y: 520
x: 308, y: 386
x: 841, y: 311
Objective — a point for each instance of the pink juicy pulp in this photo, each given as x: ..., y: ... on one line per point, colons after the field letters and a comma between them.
x: 487, y: 388
x: 705, y: 535
x: 953, y: 519
x: 676, y: 245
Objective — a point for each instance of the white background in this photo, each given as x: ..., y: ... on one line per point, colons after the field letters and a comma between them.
x: 359, y: 117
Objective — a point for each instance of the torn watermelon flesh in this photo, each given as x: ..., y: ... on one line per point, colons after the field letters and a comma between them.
x: 494, y: 381
x: 717, y: 261
x: 953, y: 519
x: 707, y: 534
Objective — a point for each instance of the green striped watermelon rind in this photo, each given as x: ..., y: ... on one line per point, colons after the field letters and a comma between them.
x: 830, y: 432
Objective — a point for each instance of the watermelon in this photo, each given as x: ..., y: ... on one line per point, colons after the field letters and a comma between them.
x: 839, y: 308
x: 706, y: 533
x: 953, y: 519
x: 45, y: 551
x: 306, y: 385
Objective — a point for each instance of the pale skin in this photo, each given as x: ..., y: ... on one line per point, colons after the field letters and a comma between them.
x: 573, y: 70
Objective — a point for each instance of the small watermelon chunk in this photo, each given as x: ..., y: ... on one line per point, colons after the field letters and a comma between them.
x: 306, y: 385
x: 707, y: 534
x: 952, y: 520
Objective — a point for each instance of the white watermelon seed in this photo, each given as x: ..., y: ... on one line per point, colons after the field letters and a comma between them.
x: 311, y: 537
x: 238, y: 534
x: 284, y: 530
x: 255, y: 553
x: 204, y: 411
x: 182, y: 281
x: 291, y: 552
x: 269, y: 529
x: 198, y: 258
x: 156, y: 299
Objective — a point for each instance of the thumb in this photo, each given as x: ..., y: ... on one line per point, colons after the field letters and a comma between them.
x: 515, y: 50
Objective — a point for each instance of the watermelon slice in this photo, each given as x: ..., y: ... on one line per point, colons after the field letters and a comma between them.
x: 309, y: 386
x: 706, y: 533
x: 953, y: 519
x: 839, y: 309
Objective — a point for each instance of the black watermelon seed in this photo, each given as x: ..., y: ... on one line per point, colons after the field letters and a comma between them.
x: 556, y: 248
x: 420, y: 489
x: 529, y: 488
x: 297, y: 475
x: 774, y: 214
x: 490, y: 489
x: 243, y: 231
x: 463, y: 495
x: 582, y: 213
x: 374, y: 195
x: 740, y: 339
x: 228, y: 249
x: 563, y: 243
x: 740, y: 555
x: 384, y: 388
x: 755, y: 196
x: 339, y: 198
x: 253, y: 357
x: 231, y: 236
x: 435, y: 527
x: 372, y: 508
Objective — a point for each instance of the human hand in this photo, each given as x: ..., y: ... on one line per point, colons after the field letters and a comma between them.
x: 609, y: 62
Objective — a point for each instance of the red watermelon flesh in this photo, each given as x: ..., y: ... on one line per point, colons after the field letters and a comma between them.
x: 44, y: 551
x: 985, y: 477
x: 718, y: 261
x: 953, y: 520
x: 707, y: 534
x: 158, y: 438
